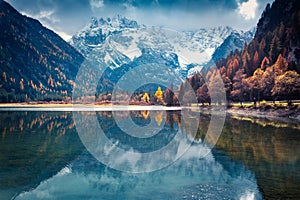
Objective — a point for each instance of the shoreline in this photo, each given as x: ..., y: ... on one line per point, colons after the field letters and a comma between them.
x: 281, y: 113
x: 80, y: 107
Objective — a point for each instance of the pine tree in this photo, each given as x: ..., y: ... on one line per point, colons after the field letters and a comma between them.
x: 261, y: 51
x: 280, y: 66
x: 255, y: 60
x: 275, y: 48
x: 264, y: 63
x: 245, y: 61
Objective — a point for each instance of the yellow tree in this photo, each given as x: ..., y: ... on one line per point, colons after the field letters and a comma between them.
x: 159, y: 94
x: 267, y: 82
x: 255, y: 85
x: 146, y: 98
x: 287, y: 86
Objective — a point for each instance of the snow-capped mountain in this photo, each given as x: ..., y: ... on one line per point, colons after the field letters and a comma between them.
x: 236, y: 40
x: 122, y: 43
x: 95, y: 34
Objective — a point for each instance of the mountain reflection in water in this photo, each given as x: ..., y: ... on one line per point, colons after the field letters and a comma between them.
x: 42, y: 157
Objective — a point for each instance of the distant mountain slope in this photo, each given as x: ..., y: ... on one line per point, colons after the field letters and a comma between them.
x: 36, y: 64
x: 119, y: 41
x: 235, y: 41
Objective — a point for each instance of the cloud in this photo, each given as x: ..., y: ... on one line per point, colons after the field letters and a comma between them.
x: 69, y: 16
x: 47, y: 15
x: 64, y: 35
x: 44, y: 16
x: 96, y: 4
x: 248, y: 9
x: 64, y: 16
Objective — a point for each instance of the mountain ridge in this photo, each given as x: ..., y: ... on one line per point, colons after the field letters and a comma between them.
x: 36, y: 64
x: 128, y: 40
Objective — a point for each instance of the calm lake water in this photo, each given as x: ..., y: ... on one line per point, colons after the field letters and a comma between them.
x: 43, y: 157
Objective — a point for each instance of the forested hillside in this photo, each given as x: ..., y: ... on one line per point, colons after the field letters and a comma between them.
x: 35, y: 63
x: 268, y: 67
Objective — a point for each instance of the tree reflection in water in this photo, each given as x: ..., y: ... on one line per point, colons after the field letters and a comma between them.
x: 42, y: 150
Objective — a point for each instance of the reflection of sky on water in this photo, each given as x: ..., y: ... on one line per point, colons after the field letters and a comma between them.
x: 188, y: 178
x: 39, y: 156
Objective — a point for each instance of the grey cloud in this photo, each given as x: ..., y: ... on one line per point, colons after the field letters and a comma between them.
x: 69, y: 16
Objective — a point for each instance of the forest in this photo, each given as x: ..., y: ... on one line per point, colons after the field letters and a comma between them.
x: 266, y: 69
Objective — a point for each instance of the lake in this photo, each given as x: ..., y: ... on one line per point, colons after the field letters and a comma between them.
x: 46, y: 155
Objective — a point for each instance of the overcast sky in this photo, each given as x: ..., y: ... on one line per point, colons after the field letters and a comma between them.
x: 66, y: 17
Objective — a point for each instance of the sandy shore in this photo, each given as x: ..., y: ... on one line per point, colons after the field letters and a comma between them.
x: 79, y: 107
x: 279, y: 114
x: 10, y: 105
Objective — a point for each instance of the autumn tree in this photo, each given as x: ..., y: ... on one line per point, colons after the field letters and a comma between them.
x: 237, y: 92
x: 264, y: 63
x: 208, y: 75
x: 287, y: 86
x: 146, y: 98
x: 261, y: 50
x: 235, y: 64
x: 275, y: 48
x: 254, y: 85
x: 268, y: 82
x: 280, y: 66
x: 216, y: 88
x: 4, y: 76
x: 228, y: 86
x: 246, y: 60
x: 21, y: 84
x: 229, y: 72
x: 159, y: 95
x: 255, y: 61
x: 169, y: 97
x: 203, y: 94
x: 222, y: 70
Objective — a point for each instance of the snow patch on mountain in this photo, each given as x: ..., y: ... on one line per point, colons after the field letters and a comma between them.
x: 119, y: 41
x: 235, y: 41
